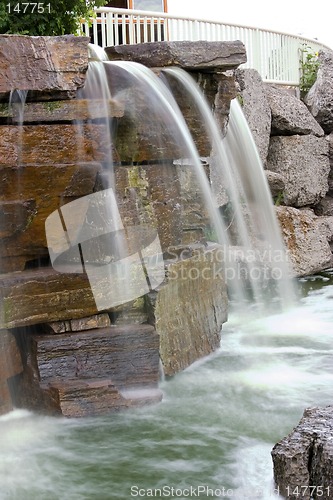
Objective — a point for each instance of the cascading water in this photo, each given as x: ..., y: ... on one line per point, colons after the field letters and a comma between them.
x: 211, y: 436
x: 258, y: 252
x: 241, y: 174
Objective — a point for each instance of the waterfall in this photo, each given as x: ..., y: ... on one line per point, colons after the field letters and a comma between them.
x: 255, y: 259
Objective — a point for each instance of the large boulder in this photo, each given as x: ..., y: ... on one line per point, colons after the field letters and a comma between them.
x: 289, y: 114
x: 303, y: 161
x: 255, y: 108
x: 306, y: 238
x: 320, y: 97
x: 303, y: 460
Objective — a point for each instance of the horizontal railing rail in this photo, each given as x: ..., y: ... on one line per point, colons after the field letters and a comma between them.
x: 275, y: 55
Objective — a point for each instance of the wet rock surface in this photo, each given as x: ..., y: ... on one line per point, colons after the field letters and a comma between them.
x: 10, y: 366
x: 303, y: 460
x: 26, y: 200
x: 190, y: 328
x: 59, y: 111
x: 84, y: 373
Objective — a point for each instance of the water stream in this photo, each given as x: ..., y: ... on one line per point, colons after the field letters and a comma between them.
x: 214, y: 429
x: 212, y: 435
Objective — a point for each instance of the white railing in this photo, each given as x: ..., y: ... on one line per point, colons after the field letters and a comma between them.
x: 275, y: 55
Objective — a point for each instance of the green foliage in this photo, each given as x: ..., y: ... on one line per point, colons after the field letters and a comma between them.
x: 309, y: 65
x: 53, y: 17
x: 278, y: 199
x: 240, y: 99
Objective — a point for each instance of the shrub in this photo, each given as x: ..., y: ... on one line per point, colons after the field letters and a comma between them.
x: 53, y: 17
x: 309, y: 68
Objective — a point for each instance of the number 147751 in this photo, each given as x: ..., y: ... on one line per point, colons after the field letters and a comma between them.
x: 28, y: 8
x: 302, y: 491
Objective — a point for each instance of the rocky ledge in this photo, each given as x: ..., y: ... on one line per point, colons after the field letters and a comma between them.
x: 303, y: 460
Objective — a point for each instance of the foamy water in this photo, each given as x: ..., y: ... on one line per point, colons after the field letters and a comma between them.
x: 214, y: 430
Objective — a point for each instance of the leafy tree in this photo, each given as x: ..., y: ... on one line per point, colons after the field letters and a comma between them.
x: 53, y: 17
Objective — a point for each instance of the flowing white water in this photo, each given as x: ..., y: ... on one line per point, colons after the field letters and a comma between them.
x: 240, y: 171
x: 214, y: 429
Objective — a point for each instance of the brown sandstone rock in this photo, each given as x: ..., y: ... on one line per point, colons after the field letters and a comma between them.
x: 189, y: 310
x: 49, y: 66
x: 10, y: 365
x: 52, y: 144
x: 43, y: 295
x: 76, y: 325
x: 60, y: 111
x: 88, y: 373
x: 29, y: 194
x: 128, y: 355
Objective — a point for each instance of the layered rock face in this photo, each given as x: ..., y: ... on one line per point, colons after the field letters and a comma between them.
x: 297, y: 156
x: 61, y: 353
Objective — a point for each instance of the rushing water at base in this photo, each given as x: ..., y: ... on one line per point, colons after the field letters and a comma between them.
x: 214, y: 429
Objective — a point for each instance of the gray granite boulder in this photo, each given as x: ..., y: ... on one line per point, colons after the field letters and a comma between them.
x: 276, y: 183
x: 303, y: 161
x: 303, y: 461
x: 255, y: 108
x: 307, y: 239
x: 289, y: 114
x: 320, y: 97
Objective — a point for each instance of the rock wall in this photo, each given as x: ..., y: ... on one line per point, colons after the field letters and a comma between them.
x: 59, y: 353
x: 294, y: 140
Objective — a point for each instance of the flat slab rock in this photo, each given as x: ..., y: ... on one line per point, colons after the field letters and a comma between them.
x: 303, y: 461
x: 127, y: 354
x: 201, y: 55
x: 89, y: 398
x: 50, y: 65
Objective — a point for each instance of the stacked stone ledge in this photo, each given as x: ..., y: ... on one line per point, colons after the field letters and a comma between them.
x: 67, y: 357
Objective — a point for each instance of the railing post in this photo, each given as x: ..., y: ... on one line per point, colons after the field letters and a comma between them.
x: 256, y: 50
